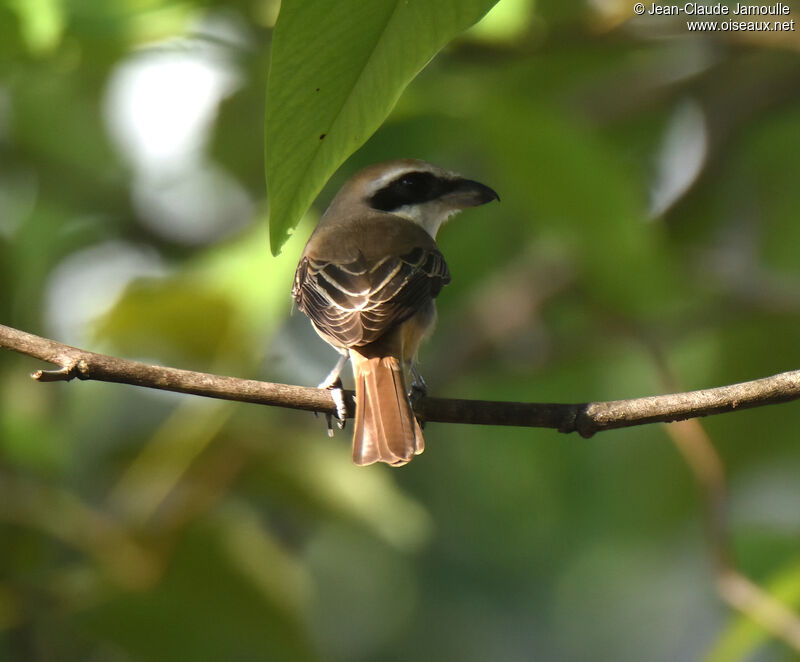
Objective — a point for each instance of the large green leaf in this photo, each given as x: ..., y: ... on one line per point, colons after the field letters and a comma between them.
x: 338, y: 67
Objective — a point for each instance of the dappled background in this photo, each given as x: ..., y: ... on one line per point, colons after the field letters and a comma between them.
x: 647, y: 241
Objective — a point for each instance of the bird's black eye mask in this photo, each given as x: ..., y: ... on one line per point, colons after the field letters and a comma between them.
x: 411, y: 188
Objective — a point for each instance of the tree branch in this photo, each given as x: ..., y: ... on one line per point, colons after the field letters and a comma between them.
x: 585, y: 418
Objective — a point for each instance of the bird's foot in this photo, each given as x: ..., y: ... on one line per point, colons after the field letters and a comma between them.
x: 337, y: 393
x: 418, y: 390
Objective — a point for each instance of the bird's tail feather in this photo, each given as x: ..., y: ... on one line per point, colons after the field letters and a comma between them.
x: 385, y: 427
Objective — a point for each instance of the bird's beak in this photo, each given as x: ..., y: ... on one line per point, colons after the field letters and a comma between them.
x: 468, y: 193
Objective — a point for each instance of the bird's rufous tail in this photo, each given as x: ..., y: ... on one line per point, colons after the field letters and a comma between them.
x: 385, y: 427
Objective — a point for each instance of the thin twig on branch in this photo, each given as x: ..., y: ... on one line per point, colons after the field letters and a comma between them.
x: 585, y: 418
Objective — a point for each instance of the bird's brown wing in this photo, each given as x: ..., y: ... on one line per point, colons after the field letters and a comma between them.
x: 355, y: 303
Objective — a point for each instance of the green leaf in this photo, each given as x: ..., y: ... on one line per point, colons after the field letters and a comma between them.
x: 338, y: 67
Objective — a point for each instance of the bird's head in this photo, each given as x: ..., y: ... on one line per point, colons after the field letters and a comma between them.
x: 414, y: 190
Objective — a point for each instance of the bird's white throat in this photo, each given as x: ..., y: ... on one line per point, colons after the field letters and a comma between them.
x: 428, y: 215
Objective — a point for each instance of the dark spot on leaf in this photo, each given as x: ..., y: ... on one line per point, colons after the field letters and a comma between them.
x: 317, y: 90
x: 322, y: 135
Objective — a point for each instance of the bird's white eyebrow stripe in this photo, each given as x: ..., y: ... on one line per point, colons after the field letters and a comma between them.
x: 394, y: 173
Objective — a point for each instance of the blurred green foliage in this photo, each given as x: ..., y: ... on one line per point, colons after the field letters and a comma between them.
x: 647, y: 225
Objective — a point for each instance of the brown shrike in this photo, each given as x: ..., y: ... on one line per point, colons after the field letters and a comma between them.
x: 367, y: 280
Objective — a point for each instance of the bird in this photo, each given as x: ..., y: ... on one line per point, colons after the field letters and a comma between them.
x: 367, y: 279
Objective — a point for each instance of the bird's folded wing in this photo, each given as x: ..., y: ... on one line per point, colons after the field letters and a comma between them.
x: 356, y: 303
